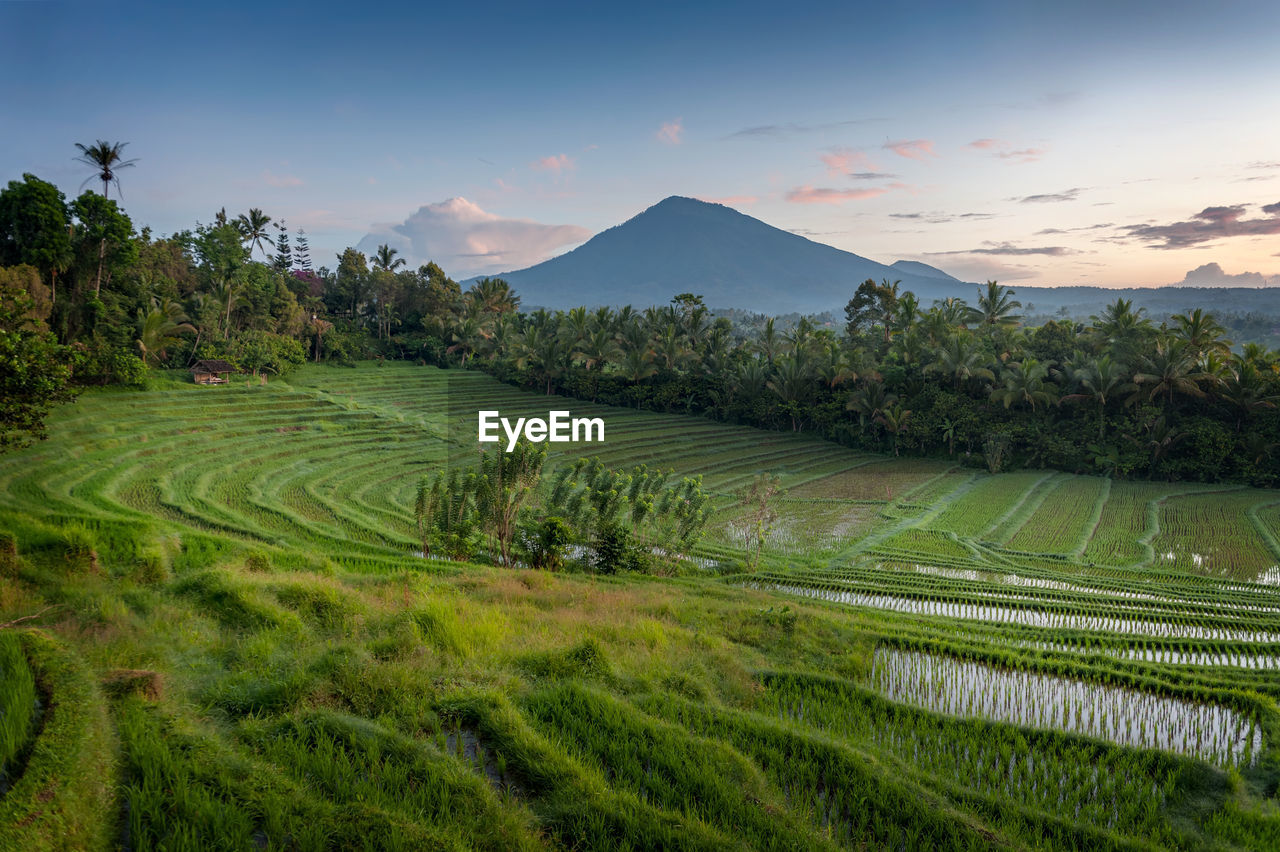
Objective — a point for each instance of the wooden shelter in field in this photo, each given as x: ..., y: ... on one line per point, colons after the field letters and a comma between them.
x: 211, y: 372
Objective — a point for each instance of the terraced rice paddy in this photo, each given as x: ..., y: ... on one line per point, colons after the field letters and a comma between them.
x: 926, y: 656
x: 1123, y: 716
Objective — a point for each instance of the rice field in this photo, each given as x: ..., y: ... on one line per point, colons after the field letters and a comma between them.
x: 926, y: 656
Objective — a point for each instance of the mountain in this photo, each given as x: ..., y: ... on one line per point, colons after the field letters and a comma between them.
x: 682, y: 245
x: 923, y: 270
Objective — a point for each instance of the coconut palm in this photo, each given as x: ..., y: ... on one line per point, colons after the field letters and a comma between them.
x: 894, y: 418
x: 1121, y: 329
x: 386, y: 260
x: 253, y: 230
x: 995, y: 306
x: 1170, y: 370
x: 1201, y: 334
x: 1025, y: 383
x: 494, y: 296
x: 792, y: 380
x: 107, y: 158
x: 961, y: 357
x: 1099, y: 382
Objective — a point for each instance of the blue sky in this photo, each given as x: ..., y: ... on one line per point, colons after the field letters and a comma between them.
x: 1107, y: 143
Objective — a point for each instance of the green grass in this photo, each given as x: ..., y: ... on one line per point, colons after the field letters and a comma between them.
x: 237, y: 566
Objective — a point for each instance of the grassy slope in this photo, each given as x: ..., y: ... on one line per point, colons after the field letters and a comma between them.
x: 237, y: 564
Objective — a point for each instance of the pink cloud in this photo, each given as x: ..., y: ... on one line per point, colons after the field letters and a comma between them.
x: 986, y: 144
x: 271, y: 179
x: 670, y: 132
x: 1022, y: 155
x: 819, y: 195
x: 914, y: 149
x: 842, y: 161
x: 732, y: 200
x: 556, y: 163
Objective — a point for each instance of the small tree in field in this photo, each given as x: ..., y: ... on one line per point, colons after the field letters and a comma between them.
x: 757, y: 499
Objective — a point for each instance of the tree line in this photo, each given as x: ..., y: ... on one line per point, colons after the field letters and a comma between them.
x: 87, y: 299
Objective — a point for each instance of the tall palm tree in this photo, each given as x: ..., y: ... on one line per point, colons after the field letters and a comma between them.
x: 386, y: 260
x: 1170, y: 370
x: 1121, y: 329
x: 1201, y: 334
x: 106, y: 158
x: 995, y: 306
x: 253, y: 229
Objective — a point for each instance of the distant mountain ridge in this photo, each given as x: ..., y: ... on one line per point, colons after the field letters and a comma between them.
x: 683, y: 245
x: 732, y: 260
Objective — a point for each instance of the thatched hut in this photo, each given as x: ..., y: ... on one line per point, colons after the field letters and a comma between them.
x: 211, y: 372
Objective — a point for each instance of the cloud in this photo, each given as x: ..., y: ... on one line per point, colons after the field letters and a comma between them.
x: 1211, y: 223
x: 556, y: 163
x: 466, y: 240
x: 939, y: 218
x: 1048, y: 197
x: 271, y: 179
x: 773, y: 131
x: 842, y: 161
x: 670, y: 132
x: 1047, y: 231
x: 1009, y: 249
x: 1212, y: 275
x: 731, y: 200
x: 1005, y: 151
x: 819, y: 195
x: 1022, y: 155
x: 1265, y: 164
x: 914, y: 149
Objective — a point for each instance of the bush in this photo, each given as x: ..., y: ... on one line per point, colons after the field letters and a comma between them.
x: 100, y: 363
x: 614, y: 550
x: 542, y: 543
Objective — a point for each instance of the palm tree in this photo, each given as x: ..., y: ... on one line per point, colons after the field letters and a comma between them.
x: 1170, y: 370
x: 1024, y: 382
x: 995, y: 307
x: 1099, y: 382
x: 159, y: 328
x: 494, y: 296
x: 1201, y: 334
x: 253, y: 229
x: 1161, y: 439
x: 769, y: 343
x: 961, y: 358
x: 893, y: 417
x: 107, y: 158
x: 791, y: 383
x: 1121, y: 329
x: 386, y: 260
x: 869, y: 402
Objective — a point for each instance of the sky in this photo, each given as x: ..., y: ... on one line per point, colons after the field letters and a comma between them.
x: 1108, y: 143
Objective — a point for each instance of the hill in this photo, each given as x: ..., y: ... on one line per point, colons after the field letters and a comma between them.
x: 923, y: 270
x: 733, y: 260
